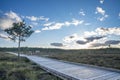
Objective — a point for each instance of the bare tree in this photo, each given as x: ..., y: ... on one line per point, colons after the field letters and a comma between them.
x: 19, y: 32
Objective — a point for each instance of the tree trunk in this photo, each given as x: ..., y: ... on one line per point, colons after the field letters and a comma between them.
x: 19, y: 48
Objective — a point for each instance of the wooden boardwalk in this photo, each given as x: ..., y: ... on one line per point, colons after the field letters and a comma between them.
x: 71, y: 71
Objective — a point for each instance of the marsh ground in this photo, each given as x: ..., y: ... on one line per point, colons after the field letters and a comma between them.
x: 12, y: 69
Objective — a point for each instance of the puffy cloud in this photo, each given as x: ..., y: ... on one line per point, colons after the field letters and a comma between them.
x: 90, y: 39
x: 6, y: 23
x: 107, y: 31
x: 77, y: 22
x: 54, y: 26
x: 82, y: 13
x: 37, y: 31
x: 8, y: 19
x: 81, y: 42
x: 67, y: 23
x: 112, y: 42
x: 81, y: 39
x: 45, y: 28
x: 101, y: 1
x: 71, y: 38
x: 13, y: 15
x: 57, y: 44
x: 91, y: 33
x: 102, y: 12
x: 102, y: 18
x: 3, y: 36
x: 34, y: 18
x: 106, y: 43
x: 97, y: 44
x: 48, y: 24
x: 43, y: 18
x: 97, y: 38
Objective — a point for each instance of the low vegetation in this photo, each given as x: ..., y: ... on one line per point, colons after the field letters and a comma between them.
x: 105, y: 60
x: 108, y: 57
x: 11, y: 69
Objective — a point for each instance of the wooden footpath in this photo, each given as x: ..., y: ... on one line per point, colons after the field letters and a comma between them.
x: 74, y: 71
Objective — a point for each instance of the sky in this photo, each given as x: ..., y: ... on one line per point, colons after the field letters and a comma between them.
x: 66, y: 24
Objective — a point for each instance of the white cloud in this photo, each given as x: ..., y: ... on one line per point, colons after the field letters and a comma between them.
x: 102, y: 18
x: 37, y: 31
x: 67, y: 23
x: 82, y: 13
x: 87, y: 33
x: 58, y: 25
x: 48, y: 24
x: 100, y: 11
x: 8, y: 19
x: 57, y: 44
x: 107, y: 31
x: 119, y: 14
x: 90, y: 39
x: 6, y: 23
x: 13, y: 15
x: 101, y: 1
x: 103, y: 32
x: 54, y: 26
x: 35, y: 23
x: 77, y: 22
x: 43, y: 18
x: 34, y: 18
x: 71, y: 38
x: 3, y: 36
x: 74, y: 22
x: 45, y: 28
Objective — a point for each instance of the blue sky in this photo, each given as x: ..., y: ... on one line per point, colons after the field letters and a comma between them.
x: 68, y: 24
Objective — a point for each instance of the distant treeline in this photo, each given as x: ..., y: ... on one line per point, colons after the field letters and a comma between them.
x: 53, y: 50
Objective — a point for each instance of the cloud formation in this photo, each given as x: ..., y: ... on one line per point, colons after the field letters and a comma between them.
x: 54, y: 26
x: 57, y: 44
x: 81, y: 42
x: 100, y: 37
x: 34, y: 18
x: 107, y: 31
x: 13, y: 15
x: 106, y: 43
x: 82, y: 13
x: 102, y: 12
x: 92, y: 38
x: 3, y: 36
x: 8, y: 19
x: 37, y: 31
x: 112, y: 42
x: 101, y: 1
x: 71, y: 38
x: 89, y: 40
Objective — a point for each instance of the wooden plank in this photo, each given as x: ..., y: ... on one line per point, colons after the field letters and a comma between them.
x: 74, y: 71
